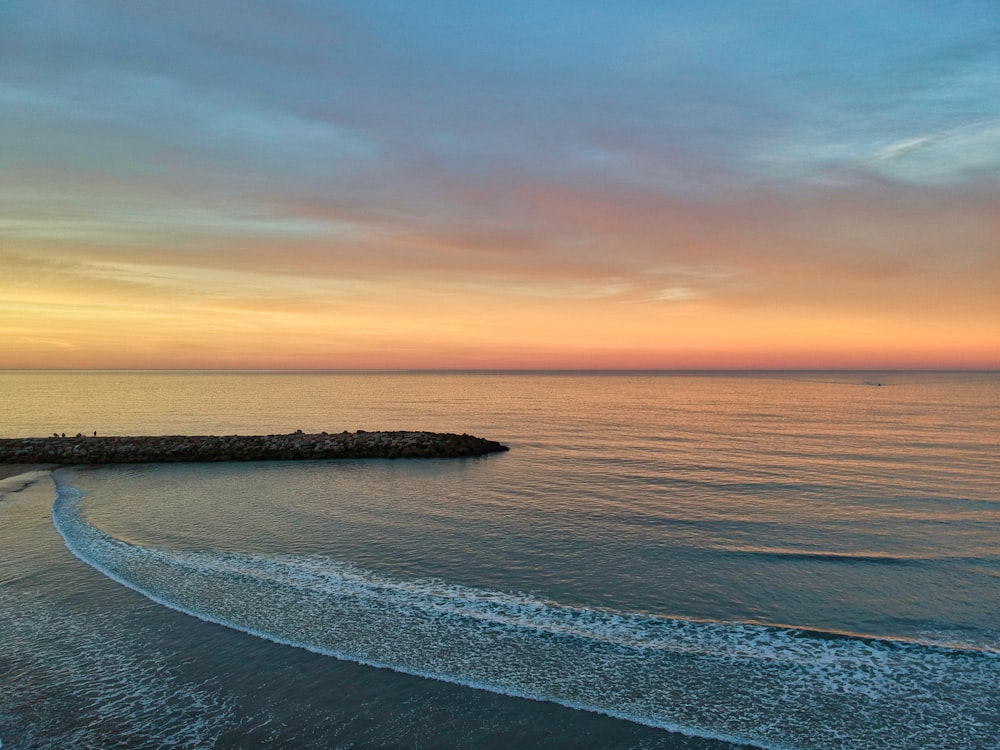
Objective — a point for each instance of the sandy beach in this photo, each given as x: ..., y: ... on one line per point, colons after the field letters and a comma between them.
x: 12, y: 470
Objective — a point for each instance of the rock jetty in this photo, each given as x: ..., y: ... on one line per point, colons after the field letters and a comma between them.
x: 295, y: 446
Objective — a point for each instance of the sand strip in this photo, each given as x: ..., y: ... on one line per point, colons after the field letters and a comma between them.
x: 12, y: 470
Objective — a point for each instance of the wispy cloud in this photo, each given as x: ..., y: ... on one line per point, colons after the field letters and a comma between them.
x: 357, y: 173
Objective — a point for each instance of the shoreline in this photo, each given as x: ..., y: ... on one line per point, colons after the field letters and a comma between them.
x: 46, y: 451
x: 12, y: 470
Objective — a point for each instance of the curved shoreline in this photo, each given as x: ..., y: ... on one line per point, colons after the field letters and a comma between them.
x: 13, y: 470
x: 199, y: 448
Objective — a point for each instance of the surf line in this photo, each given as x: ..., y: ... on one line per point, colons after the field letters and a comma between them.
x: 661, y: 672
x: 99, y: 550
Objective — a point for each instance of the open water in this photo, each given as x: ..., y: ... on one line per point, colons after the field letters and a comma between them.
x: 662, y: 560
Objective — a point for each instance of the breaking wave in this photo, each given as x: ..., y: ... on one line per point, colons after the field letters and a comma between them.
x: 739, y: 682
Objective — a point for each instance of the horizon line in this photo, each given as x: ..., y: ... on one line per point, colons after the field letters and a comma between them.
x: 508, y: 370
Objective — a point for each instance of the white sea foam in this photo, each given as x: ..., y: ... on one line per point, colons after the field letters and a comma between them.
x: 109, y: 678
x: 739, y: 682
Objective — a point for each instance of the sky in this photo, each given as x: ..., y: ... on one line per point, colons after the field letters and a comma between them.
x: 460, y: 184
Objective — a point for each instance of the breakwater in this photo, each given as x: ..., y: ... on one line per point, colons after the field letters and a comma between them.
x: 294, y: 446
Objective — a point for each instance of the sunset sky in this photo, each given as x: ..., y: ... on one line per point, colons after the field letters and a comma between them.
x: 465, y: 184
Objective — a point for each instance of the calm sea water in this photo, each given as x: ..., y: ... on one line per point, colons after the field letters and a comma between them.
x: 772, y: 560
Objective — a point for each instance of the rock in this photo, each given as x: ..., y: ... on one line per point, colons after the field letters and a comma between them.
x: 296, y: 446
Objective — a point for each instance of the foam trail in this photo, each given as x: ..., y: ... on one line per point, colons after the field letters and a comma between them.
x: 770, y: 687
x: 86, y: 681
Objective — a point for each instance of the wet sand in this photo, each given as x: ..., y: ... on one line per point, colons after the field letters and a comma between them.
x: 12, y: 470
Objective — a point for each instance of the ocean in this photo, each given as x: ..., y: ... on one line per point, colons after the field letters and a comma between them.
x: 797, y: 560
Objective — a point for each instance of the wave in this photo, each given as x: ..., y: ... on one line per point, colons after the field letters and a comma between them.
x: 745, y: 683
x: 881, y: 558
x: 832, y: 556
x: 107, y: 678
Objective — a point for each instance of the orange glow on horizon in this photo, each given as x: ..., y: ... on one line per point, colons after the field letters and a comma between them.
x: 374, y: 187
x: 433, y: 331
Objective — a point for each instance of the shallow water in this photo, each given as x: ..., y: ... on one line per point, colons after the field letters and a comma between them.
x: 802, y: 560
